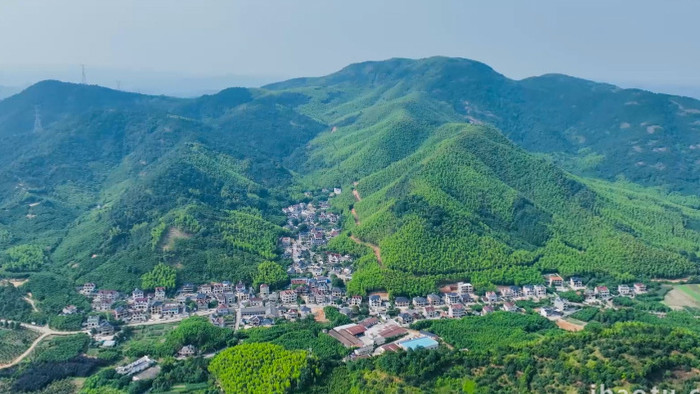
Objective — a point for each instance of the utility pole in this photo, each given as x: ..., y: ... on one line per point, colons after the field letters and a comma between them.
x: 38, y: 128
x: 84, y: 78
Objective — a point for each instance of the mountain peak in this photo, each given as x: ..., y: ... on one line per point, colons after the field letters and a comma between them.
x: 397, y: 69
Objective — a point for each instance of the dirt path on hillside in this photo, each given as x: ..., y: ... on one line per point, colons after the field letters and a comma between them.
x: 375, y: 248
x: 17, y: 282
x: 357, y: 195
x: 354, y: 215
x: 24, y: 355
x: 679, y: 280
x: 45, y: 332
x: 30, y: 300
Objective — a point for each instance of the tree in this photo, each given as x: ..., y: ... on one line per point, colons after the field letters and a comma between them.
x: 259, y: 368
x: 160, y: 276
x: 270, y: 273
x: 25, y: 258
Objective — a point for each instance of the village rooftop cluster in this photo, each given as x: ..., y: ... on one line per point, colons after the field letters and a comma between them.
x: 379, y: 324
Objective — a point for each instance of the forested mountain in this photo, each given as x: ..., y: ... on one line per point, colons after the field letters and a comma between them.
x: 7, y: 91
x: 112, y: 181
x: 463, y: 174
x: 590, y: 128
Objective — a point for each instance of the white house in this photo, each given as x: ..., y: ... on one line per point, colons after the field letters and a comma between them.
x: 602, y: 291
x: 465, y: 288
x: 456, y: 310
x: 623, y: 290
x: 540, y: 291
x: 288, y: 296
x: 451, y: 298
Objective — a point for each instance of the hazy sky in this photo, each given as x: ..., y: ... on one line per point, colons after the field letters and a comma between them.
x: 638, y: 42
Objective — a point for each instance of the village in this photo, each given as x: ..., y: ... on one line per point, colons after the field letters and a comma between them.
x: 379, y: 323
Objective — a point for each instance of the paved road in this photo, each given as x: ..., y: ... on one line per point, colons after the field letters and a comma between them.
x: 239, y: 317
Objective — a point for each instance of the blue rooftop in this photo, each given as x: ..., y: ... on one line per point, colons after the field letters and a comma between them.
x: 421, y: 342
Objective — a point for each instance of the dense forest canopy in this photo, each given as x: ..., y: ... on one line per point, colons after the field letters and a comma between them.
x: 125, y: 189
x: 449, y: 171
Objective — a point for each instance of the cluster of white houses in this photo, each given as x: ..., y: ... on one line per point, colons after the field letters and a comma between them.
x: 141, y: 306
x: 263, y: 307
x: 602, y: 292
x: 226, y: 298
x: 462, y: 298
x: 452, y: 304
x: 320, y: 228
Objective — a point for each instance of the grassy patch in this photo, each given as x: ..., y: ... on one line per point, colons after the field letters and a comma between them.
x: 683, y: 296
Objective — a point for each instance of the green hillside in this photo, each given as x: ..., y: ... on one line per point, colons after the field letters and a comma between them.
x: 471, y: 205
x: 589, y: 128
x: 113, y: 183
x: 116, y: 182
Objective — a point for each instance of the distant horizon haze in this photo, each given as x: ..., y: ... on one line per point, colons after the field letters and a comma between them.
x: 645, y: 43
x: 153, y: 82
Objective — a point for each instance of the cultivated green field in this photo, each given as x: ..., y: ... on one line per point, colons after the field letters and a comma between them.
x: 14, y: 342
x: 683, y: 296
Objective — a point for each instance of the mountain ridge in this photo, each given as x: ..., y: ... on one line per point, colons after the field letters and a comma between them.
x: 442, y: 150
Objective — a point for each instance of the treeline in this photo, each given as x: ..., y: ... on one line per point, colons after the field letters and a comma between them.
x: 196, y: 331
x: 261, y: 368
x: 302, y: 335
x: 631, y: 355
x: 488, y: 332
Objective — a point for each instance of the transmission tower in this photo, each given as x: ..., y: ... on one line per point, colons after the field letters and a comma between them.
x: 84, y: 78
x: 38, y: 128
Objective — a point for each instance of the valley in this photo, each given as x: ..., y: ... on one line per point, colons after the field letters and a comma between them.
x: 398, y: 226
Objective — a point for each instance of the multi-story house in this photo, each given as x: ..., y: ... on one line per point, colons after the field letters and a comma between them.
x: 451, y: 298
x: 540, y: 291
x: 456, y: 310
x: 465, y: 288
x: 375, y: 301
x: 288, y: 297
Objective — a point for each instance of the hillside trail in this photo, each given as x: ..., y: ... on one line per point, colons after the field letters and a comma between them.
x: 45, y: 332
x: 27, y: 352
x: 30, y: 300
x: 375, y: 248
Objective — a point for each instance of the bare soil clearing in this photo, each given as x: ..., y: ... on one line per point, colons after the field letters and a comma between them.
x: 569, y: 326
x: 683, y: 296
x: 173, y: 235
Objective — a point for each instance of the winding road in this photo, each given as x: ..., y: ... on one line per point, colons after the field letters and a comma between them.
x: 375, y: 248
x: 45, y: 332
